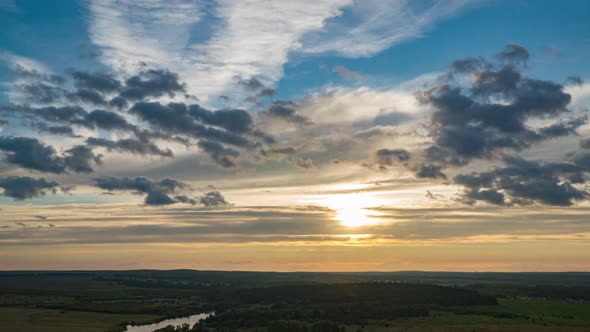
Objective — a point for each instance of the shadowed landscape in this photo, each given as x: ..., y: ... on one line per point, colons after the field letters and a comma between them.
x: 267, y: 301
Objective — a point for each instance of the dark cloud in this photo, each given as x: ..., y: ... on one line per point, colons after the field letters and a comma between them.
x: 213, y: 199
x: 87, y: 96
x: 585, y: 143
x: 152, y: 83
x: 177, y: 118
x: 135, y: 146
x: 492, y: 115
x: 237, y: 121
x: 39, y: 87
x: 522, y: 182
x: 564, y: 128
x: 389, y: 157
x: 266, y: 92
x: 81, y: 159
x: 139, y: 184
x: 252, y: 84
x: 42, y: 93
x: 55, y: 130
x: 391, y: 119
x: 158, y: 198
x: 286, y: 110
x: 119, y: 102
x: 468, y: 65
x: 35, y: 75
x: 223, y: 156
x: 257, y: 89
x: 278, y: 151
x: 97, y: 81
x: 30, y: 153
x: 582, y: 160
x: 68, y: 114
x: 21, y: 188
x: 304, y: 163
x: 158, y: 192
x: 574, y: 80
x: 107, y: 120
x: 185, y: 199
x: 430, y: 171
x: 514, y: 54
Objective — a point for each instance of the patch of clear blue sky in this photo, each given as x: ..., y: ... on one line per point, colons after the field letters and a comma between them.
x: 556, y: 33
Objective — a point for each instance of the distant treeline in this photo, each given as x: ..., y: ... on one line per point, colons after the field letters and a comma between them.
x: 551, y: 292
x: 348, y: 304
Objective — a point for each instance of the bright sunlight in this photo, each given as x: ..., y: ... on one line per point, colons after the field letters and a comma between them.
x: 353, y: 210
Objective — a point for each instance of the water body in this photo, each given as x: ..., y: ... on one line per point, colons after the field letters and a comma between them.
x: 191, y: 320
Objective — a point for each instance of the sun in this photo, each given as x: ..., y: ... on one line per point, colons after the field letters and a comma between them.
x: 353, y: 210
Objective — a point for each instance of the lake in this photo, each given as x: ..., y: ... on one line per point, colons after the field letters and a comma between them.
x: 191, y: 320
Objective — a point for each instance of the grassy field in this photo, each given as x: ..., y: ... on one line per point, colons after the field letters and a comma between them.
x: 22, y: 319
x: 536, y: 315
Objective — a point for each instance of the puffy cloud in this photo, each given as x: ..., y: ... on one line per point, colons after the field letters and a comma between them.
x: 107, y: 120
x: 41, y: 92
x: 430, y: 171
x: 304, y: 163
x: 81, y: 159
x: 252, y: 84
x: 157, y: 191
x: 152, y: 83
x: 163, y: 192
x: 156, y: 197
x: 223, y: 156
x: 177, y: 118
x: 522, y: 182
x: 213, y: 199
x: 286, y: 110
x: 87, y: 96
x: 30, y: 153
x: 574, y: 80
x: 55, y: 130
x: 33, y: 84
x: 514, y: 53
x: 389, y: 157
x: 494, y: 114
x: 21, y: 188
x: 135, y: 146
x: 278, y: 151
x: 234, y: 120
x: 98, y: 81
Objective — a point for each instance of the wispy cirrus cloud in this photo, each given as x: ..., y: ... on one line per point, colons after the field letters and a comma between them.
x: 370, y: 26
x: 250, y: 38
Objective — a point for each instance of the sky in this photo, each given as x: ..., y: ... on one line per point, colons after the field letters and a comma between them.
x: 324, y: 135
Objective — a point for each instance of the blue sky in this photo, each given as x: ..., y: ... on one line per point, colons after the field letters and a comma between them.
x: 57, y: 34
x: 316, y: 124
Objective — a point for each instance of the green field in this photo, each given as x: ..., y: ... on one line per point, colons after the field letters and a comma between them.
x: 23, y: 319
x: 536, y: 311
